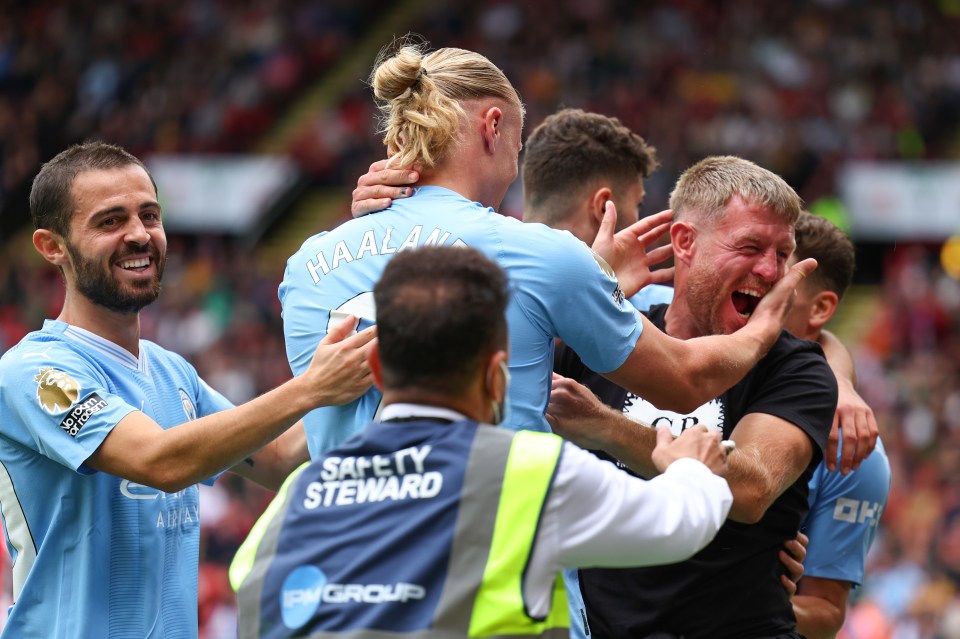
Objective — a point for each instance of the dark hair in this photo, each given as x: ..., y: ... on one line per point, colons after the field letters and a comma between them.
x: 836, y: 258
x: 440, y: 311
x: 574, y: 147
x: 51, y: 200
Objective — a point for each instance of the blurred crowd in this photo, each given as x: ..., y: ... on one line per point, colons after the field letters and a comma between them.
x: 798, y: 87
x: 203, y: 76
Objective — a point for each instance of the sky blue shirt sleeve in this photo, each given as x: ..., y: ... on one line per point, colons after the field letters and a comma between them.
x: 844, y: 513
x: 59, y: 405
x: 578, y: 299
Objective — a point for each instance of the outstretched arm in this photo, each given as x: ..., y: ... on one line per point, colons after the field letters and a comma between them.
x: 694, y: 371
x: 171, y: 459
x: 575, y: 413
x: 771, y: 452
x: 270, y: 465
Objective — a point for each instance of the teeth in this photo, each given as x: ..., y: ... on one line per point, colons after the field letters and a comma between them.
x: 144, y: 261
x: 751, y: 293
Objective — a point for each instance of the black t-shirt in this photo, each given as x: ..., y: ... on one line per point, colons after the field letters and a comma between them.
x: 732, y: 587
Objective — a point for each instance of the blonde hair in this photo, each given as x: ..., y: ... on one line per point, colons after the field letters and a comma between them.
x: 705, y: 188
x: 419, y: 97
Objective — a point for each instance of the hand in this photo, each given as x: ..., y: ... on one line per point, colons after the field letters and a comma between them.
x: 699, y: 442
x: 795, y: 551
x: 772, y: 310
x: 626, y: 252
x: 339, y: 372
x: 576, y: 414
x: 855, y: 420
x: 379, y: 186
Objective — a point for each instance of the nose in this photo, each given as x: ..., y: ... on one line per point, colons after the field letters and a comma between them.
x: 136, y: 232
x: 769, y: 266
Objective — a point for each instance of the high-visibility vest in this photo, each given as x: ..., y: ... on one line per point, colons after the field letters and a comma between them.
x: 415, y: 529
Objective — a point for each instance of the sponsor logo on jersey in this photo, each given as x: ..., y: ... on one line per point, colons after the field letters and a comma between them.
x: 56, y: 391
x: 133, y: 490
x: 188, y: 408
x: 855, y: 511
x: 306, y: 587
x: 80, y: 413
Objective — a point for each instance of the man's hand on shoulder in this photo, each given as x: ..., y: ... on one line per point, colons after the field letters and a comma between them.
x: 379, y: 186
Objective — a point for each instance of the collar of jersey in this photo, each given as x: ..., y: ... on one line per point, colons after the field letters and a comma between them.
x: 106, y: 347
x: 411, y: 411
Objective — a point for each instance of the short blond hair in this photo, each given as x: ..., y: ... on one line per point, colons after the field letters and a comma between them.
x: 705, y: 188
x: 419, y: 95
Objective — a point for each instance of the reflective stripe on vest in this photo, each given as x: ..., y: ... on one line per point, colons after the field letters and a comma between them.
x: 246, y: 574
x: 499, y: 609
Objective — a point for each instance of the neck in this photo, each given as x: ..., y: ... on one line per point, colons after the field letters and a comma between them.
x: 466, y: 170
x: 578, y: 224
x: 123, y: 329
x: 678, y: 321
x: 471, y: 406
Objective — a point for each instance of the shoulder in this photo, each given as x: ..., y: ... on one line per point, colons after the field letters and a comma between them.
x: 789, y: 345
x: 790, y: 354
x: 41, y: 350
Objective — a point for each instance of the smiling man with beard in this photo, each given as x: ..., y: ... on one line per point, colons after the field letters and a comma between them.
x: 105, y: 435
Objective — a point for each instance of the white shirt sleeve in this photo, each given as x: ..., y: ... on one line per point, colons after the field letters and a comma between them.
x: 598, y: 515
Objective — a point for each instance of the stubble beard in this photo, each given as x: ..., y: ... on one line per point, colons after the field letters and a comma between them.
x: 704, y: 289
x: 96, y: 283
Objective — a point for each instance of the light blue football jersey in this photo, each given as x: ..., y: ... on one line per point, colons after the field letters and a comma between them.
x: 559, y: 289
x: 844, y: 513
x: 94, y: 555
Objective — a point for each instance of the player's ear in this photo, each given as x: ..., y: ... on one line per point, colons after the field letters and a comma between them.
x: 822, y: 308
x: 495, y: 378
x: 682, y: 236
x: 597, y: 205
x: 491, y: 121
x: 51, y: 246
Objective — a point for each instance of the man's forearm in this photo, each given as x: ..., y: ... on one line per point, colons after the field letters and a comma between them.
x: 171, y: 459
x: 630, y: 443
x: 817, y: 618
x: 838, y: 357
x: 271, y: 465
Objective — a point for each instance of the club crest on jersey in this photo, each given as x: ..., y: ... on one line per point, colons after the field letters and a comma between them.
x: 188, y: 408
x: 602, y: 263
x: 56, y: 391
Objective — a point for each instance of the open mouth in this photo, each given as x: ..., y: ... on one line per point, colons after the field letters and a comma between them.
x: 135, y: 265
x: 745, y: 301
